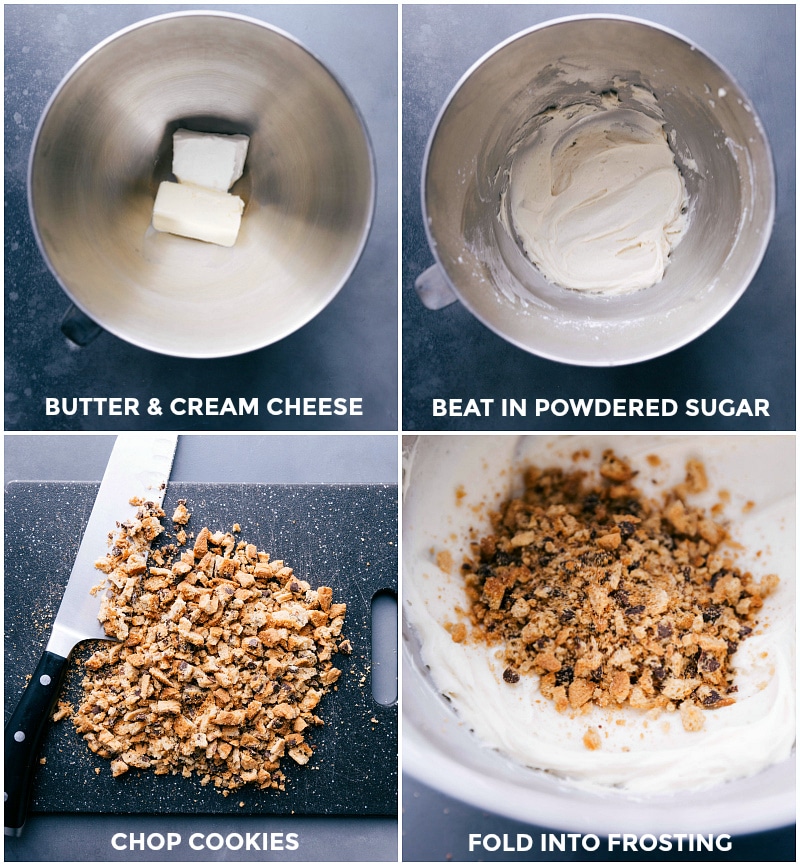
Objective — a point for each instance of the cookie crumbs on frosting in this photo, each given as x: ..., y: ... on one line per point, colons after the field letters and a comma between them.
x: 613, y: 598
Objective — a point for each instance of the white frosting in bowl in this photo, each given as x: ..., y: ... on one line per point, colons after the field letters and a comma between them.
x: 640, y: 754
x: 595, y: 196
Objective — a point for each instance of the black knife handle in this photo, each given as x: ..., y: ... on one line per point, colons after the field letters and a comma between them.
x: 23, y: 735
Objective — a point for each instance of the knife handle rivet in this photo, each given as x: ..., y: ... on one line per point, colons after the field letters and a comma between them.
x: 45, y: 680
x: 19, y: 736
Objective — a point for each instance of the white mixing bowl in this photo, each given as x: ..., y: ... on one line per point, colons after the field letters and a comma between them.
x: 438, y: 747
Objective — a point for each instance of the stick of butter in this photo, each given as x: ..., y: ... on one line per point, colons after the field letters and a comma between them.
x: 193, y: 212
x: 208, y: 159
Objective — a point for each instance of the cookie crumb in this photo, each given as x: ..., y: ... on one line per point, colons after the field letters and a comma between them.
x: 181, y: 514
x: 591, y: 739
x: 692, y: 717
x: 444, y: 561
x: 458, y: 632
x: 63, y: 711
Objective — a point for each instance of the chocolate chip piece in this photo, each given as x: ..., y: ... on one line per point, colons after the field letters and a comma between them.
x: 636, y: 610
x: 707, y: 663
x: 564, y: 676
x: 510, y: 676
x: 716, y: 576
x: 664, y: 629
x: 567, y: 615
x: 712, y: 613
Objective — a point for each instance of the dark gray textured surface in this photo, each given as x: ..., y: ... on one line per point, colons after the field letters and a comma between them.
x: 90, y: 840
x: 349, y: 350
x: 255, y: 459
x: 230, y: 459
x: 749, y: 353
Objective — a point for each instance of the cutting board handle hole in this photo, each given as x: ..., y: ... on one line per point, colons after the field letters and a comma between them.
x: 384, y: 647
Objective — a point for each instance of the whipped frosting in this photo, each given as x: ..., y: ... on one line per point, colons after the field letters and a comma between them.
x: 596, y: 198
x: 641, y: 753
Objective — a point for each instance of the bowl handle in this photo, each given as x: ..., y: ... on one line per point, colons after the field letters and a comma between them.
x: 433, y: 289
x: 78, y: 328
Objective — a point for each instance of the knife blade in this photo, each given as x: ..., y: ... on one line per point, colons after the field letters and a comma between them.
x: 139, y: 466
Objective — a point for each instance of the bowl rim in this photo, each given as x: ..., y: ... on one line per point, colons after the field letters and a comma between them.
x: 694, y: 332
x: 199, y: 350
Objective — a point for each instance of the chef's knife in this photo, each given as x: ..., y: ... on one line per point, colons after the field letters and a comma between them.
x: 139, y: 466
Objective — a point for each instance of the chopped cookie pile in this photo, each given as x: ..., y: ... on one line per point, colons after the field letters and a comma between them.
x: 612, y: 598
x: 222, y: 660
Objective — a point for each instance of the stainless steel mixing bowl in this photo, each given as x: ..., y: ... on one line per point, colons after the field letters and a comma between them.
x: 720, y: 147
x: 105, y: 142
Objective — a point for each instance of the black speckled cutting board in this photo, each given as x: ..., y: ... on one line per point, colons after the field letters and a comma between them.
x: 343, y: 536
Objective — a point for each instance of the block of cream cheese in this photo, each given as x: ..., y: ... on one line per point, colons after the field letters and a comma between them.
x: 208, y: 159
x: 194, y: 212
